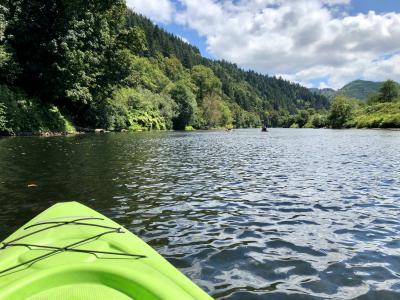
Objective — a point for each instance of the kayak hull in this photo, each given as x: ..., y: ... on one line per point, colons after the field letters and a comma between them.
x: 72, y: 252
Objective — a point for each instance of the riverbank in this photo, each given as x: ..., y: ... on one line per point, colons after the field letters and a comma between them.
x: 21, y: 115
x: 349, y: 113
x: 103, y: 131
x: 77, y: 131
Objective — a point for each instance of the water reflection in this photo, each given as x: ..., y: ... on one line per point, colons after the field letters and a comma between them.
x: 292, y: 214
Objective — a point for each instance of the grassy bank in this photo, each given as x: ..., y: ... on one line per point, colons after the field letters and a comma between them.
x: 381, y: 111
x: 381, y: 115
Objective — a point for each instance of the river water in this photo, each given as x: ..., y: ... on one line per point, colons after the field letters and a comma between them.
x: 291, y: 214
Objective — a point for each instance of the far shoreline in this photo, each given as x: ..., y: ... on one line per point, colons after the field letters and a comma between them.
x: 98, y: 131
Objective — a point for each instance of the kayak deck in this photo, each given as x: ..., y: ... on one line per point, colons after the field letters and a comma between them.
x: 71, y: 252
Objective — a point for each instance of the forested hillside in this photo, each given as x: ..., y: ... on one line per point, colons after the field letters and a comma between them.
x: 252, y: 91
x: 361, y: 89
x: 381, y: 110
x: 98, y: 64
x: 327, y: 92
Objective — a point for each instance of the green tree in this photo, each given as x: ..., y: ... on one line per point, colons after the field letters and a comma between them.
x: 187, y: 106
x: 4, y: 56
x: 19, y: 113
x: 302, y: 117
x: 134, y: 39
x: 341, y: 111
x: 226, y: 114
x: 173, y: 68
x: 206, y: 81
x: 65, y: 47
x: 146, y: 73
x: 8, y: 67
x: 388, y: 92
x: 212, y: 110
x: 137, y: 109
x: 3, y: 119
x: 319, y: 120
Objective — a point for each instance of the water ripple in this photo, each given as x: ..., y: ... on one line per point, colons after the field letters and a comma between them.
x: 292, y: 214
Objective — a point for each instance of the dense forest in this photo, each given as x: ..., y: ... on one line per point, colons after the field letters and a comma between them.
x: 98, y: 64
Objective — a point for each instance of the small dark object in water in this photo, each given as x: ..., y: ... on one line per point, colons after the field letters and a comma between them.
x: 264, y: 129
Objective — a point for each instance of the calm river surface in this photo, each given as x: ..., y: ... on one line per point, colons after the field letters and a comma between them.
x: 291, y: 214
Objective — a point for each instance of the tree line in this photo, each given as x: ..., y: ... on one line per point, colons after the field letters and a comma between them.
x: 381, y: 111
x: 95, y: 63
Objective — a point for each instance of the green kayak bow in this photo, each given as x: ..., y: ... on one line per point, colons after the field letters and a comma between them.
x: 71, y: 252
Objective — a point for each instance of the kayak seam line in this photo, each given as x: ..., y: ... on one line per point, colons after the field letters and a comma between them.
x: 61, y: 222
x: 67, y: 248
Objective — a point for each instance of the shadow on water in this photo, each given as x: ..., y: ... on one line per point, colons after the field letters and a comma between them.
x: 292, y: 214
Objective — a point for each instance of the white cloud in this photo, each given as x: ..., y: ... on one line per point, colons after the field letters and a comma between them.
x: 157, y: 10
x: 307, y: 41
x: 304, y: 40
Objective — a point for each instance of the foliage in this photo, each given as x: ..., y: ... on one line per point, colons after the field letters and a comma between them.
x: 253, y: 92
x: 214, y: 113
x: 379, y: 115
x: 360, y: 89
x: 301, y: 118
x: 226, y: 115
x: 347, y: 112
x: 388, y: 92
x: 174, y: 69
x: 206, y: 81
x: 211, y: 111
x: 18, y: 113
x: 186, y: 102
x: 140, y: 109
x: 341, y: 111
x: 134, y: 39
x: 327, y: 92
x: 318, y: 120
x: 67, y: 56
x: 146, y: 73
x: 8, y: 67
x: 189, y: 128
x: 163, y: 43
x: 243, y: 118
x: 109, y: 67
x: 3, y: 119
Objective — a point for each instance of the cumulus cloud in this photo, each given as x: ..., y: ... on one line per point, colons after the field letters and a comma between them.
x: 157, y: 10
x: 306, y: 41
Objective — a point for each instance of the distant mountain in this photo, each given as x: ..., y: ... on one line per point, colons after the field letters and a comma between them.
x: 328, y: 93
x: 358, y: 89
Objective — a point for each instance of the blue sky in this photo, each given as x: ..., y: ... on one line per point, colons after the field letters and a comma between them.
x: 380, y: 6
x: 319, y: 43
